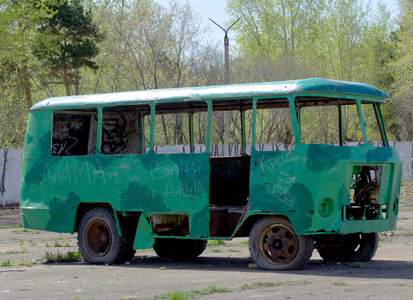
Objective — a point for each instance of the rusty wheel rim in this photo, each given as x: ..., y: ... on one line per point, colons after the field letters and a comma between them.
x: 278, y: 244
x: 98, y: 238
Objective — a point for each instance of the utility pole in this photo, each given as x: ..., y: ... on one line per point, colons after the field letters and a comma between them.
x: 226, y: 47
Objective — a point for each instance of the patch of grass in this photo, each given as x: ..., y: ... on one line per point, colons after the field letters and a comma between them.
x: 6, y: 263
x: 215, y: 242
x: 32, y: 244
x: 384, y: 239
x: 11, y: 251
x: 56, y: 243
x: 244, y: 244
x: 213, y: 289
x: 70, y: 256
x: 25, y: 263
x: 183, y: 295
x: 215, y: 250
x: 233, y: 250
x: 257, y: 284
x: 339, y: 283
x: 356, y: 264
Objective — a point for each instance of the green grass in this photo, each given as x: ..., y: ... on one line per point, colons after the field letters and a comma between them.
x: 244, y: 244
x: 356, y: 264
x: 6, y: 263
x: 339, y: 283
x: 70, y: 256
x: 213, y: 289
x: 215, y: 250
x: 25, y: 263
x: 215, y: 242
x: 183, y: 295
x: 233, y: 250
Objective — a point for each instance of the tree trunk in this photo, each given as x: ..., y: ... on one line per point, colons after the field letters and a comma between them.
x: 66, y: 78
x: 27, y: 86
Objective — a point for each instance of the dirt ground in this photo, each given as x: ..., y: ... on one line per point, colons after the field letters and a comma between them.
x: 228, y: 267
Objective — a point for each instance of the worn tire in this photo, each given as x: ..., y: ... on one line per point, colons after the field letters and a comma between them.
x: 274, y: 245
x: 179, y: 248
x: 98, y: 238
x: 351, y: 247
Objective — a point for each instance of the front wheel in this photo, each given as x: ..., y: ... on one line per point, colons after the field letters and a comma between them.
x: 98, y: 238
x: 349, y: 247
x: 275, y: 246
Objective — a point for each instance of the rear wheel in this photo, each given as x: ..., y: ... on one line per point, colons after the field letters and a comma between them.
x: 349, y: 247
x: 179, y: 248
x: 98, y: 238
x: 275, y: 246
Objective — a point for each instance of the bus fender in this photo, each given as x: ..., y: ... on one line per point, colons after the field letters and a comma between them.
x: 143, y: 237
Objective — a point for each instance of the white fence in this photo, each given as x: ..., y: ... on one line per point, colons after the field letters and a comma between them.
x: 10, y: 170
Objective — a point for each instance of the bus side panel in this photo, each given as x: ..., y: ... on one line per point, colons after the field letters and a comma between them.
x: 53, y: 187
x: 38, y: 186
x: 311, y: 184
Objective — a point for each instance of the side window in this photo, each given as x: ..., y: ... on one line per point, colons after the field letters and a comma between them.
x: 352, y: 131
x: 74, y: 132
x: 171, y: 131
x: 123, y: 130
x: 226, y: 141
x: 200, y: 131
x: 320, y: 125
x: 372, y: 125
x: 274, y: 129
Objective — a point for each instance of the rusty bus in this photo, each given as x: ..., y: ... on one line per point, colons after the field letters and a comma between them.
x: 306, y: 164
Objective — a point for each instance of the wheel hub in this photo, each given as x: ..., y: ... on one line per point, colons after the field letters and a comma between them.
x: 98, y: 238
x: 278, y: 244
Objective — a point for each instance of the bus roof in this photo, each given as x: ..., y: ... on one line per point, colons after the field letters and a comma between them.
x: 238, y: 91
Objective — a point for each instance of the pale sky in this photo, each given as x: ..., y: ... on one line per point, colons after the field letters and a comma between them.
x: 215, y: 9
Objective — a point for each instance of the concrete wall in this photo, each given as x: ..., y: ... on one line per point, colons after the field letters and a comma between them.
x: 10, y: 170
x: 10, y: 173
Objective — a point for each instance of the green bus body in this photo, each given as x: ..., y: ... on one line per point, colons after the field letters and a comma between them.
x: 195, y: 196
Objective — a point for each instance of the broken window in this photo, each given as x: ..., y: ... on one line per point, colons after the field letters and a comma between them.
x: 372, y: 122
x: 329, y: 121
x: 74, y: 132
x: 274, y: 129
x: 123, y: 130
x: 171, y: 131
x: 200, y: 131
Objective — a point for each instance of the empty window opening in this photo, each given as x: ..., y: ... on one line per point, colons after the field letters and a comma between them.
x: 123, y: 130
x: 74, y: 132
x: 274, y: 129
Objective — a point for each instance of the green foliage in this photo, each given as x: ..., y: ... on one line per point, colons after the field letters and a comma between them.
x: 53, y: 47
x: 215, y: 242
x: 71, y: 42
x: 70, y: 256
x: 6, y: 263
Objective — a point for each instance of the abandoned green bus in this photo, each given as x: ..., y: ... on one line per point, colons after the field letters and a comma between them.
x: 292, y: 165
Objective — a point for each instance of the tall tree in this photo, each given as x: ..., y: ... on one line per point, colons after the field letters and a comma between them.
x: 401, y: 68
x: 277, y: 31
x: 73, y: 41
x: 19, y: 20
